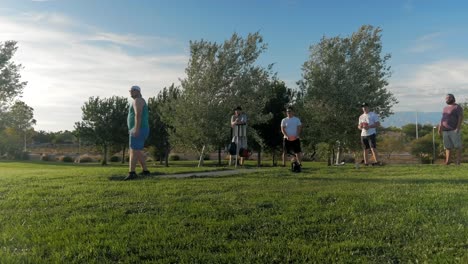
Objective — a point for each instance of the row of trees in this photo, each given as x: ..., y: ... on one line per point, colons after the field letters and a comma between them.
x: 340, y: 73
x: 16, y: 117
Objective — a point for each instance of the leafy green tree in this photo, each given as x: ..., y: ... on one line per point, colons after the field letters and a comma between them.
x: 220, y: 77
x: 410, y: 130
x: 10, y: 84
x: 104, y: 123
x: 270, y: 132
x: 340, y: 73
x: 21, y: 118
x: 160, y: 116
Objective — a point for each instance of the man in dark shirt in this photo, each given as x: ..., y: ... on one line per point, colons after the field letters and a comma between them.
x: 450, y: 128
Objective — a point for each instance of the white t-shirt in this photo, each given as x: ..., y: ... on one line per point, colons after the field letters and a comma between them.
x: 290, y: 125
x: 370, y: 118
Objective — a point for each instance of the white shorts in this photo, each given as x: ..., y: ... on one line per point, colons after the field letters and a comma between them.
x: 452, y: 139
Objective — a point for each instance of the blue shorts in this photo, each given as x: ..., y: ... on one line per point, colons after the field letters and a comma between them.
x: 138, y: 143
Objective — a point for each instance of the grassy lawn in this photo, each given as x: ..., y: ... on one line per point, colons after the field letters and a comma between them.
x: 67, y: 213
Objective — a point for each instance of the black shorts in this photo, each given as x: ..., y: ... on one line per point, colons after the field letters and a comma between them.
x: 292, y: 147
x: 368, y: 142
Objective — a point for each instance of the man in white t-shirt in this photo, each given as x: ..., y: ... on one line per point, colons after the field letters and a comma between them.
x: 291, y: 127
x: 368, y: 122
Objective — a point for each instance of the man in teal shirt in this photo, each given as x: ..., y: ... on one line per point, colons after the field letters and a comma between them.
x: 138, y: 130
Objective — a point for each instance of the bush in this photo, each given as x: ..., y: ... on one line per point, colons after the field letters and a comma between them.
x: 114, y: 159
x: 174, y: 157
x: 66, y: 159
x: 23, y: 155
x: 45, y: 157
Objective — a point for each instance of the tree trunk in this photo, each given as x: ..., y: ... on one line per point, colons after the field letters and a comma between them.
x: 166, y: 157
x: 104, y: 156
x: 200, y: 161
x: 219, y: 156
x: 259, y: 158
x: 273, y: 157
x: 123, y: 154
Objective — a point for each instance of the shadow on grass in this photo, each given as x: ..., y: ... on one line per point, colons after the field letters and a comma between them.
x: 390, y: 180
x: 121, y: 177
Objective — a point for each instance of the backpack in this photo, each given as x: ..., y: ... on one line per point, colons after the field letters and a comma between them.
x: 295, y: 166
x: 243, y: 152
x: 232, y: 148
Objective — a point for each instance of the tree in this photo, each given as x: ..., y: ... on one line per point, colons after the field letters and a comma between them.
x: 21, y: 119
x: 161, y: 111
x: 103, y: 123
x: 410, y: 130
x: 10, y: 84
x: 219, y: 77
x: 270, y: 132
x: 340, y: 73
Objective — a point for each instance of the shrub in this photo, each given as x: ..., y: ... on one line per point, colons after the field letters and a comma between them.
x: 114, y: 159
x: 174, y: 157
x: 23, y: 155
x: 66, y: 159
x: 45, y: 157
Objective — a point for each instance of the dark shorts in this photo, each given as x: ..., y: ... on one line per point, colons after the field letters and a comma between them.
x: 138, y: 143
x: 292, y: 147
x: 368, y: 142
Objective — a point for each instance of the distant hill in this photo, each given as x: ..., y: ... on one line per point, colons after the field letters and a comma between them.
x: 400, y: 119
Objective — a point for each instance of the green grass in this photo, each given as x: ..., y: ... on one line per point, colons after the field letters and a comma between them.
x: 67, y: 213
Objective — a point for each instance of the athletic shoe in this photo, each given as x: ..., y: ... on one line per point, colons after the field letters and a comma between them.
x: 145, y: 173
x: 131, y: 176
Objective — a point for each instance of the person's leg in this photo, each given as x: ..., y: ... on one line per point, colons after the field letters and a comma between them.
x: 364, y: 156
x: 448, y: 145
x: 447, y: 156
x: 132, y: 161
x: 365, y: 148
x: 375, y: 155
x: 284, y: 152
x: 141, y: 158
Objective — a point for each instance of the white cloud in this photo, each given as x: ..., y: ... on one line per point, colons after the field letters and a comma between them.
x: 427, y: 43
x: 423, y: 87
x: 64, y: 67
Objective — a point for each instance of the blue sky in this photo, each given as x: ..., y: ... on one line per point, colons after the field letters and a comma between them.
x: 74, y: 49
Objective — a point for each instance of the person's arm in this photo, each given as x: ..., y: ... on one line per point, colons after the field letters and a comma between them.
x: 299, y: 130
x: 460, y: 120
x: 233, y: 121
x: 138, y: 108
x: 375, y: 125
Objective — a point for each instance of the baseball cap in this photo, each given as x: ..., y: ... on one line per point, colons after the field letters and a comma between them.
x: 135, y: 88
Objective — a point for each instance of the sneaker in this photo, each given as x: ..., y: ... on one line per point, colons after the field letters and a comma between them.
x: 131, y: 176
x: 146, y: 173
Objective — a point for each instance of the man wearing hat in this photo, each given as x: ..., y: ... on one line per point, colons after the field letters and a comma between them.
x: 368, y: 122
x: 450, y: 128
x: 239, y: 131
x: 138, y: 130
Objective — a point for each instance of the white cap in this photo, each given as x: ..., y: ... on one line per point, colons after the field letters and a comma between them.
x: 136, y: 88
